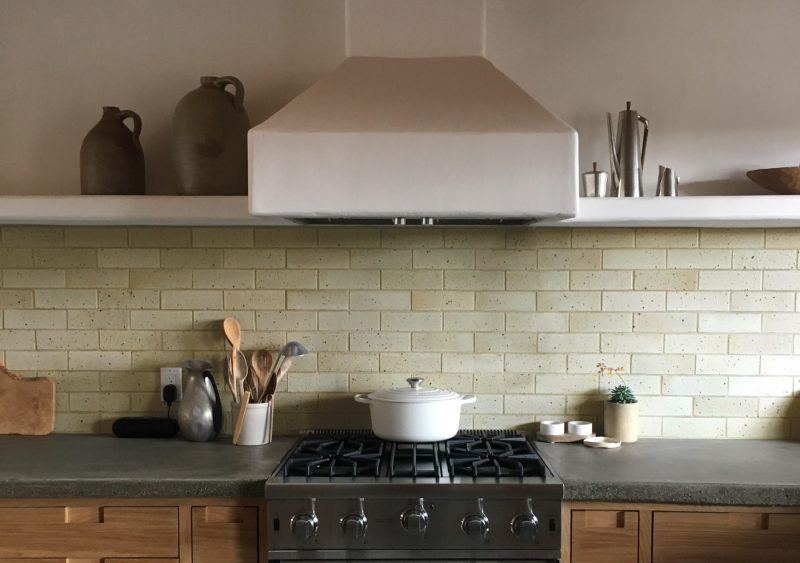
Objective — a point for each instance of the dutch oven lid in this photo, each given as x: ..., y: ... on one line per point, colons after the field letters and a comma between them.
x: 413, y: 394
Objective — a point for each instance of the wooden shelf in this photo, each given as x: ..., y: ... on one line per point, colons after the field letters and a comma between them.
x: 700, y: 211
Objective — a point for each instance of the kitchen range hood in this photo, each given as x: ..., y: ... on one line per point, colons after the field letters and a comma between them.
x: 448, y: 140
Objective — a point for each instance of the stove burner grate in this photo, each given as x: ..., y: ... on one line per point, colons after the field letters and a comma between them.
x: 487, y: 455
x: 332, y: 457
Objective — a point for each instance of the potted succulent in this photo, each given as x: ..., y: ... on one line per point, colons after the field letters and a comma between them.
x: 621, y: 410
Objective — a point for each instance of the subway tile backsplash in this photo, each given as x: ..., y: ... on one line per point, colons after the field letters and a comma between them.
x: 705, y: 322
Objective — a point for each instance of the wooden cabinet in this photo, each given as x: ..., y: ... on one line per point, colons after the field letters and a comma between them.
x: 131, y: 531
x: 665, y: 533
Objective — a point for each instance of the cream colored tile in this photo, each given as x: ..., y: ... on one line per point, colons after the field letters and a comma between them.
x: 725, y: 406
x: 641, y: 384
x: 587, y: 363
x: 96, y: 236
x: 99, y: 360
x: 694, y: 385
x: 128, y: 258
x: 664, y: 322
x: 412, y: 279
x: 780, y: 365
x: 602, y: 238
x: 346, y: 237
x: 187, y: 340
x: 84, y: 402
x: 244, y: 299
x: 730, y: 280
x: 566, y: 383
x: 486, y: 404
x: 510, y: 383
x: 786, y: 281
x: 782, y: 238
x: 412, y: 321
x: 424, y: 300
x: 474, y: 280
x: 346, y: 320
x: 582, y: 280
x: 229, y: 237
x: 318, y: 382
x: 65, y: 258
x: 766, y: 301
x: 698, y: 300
x: 585, y: 407
x: 26, y: 360
x: 633, y: 301
x: 630, y: 259
x: 411, y: 362
x: 442, y: 342
x: 764, y: 428
x: 327, y: 341
x: 551, y: 280
x: 477, y: 321
x: 475, y: 237
x: 649, y: 426
x: 254, y: 258
x: 285, y: 237
x: 334, y: 258
x: 223, y: 279
x: 347, y: 279
x: 576, y: 342
x: 129, y: 340
x: 497, y: 259
x: 347, y: 362
x: 761, y: 344
x: 96, y: 278
x: 665, y: 406
x: 114, y: 402
x: 674, y: 280
x: 16, y: 257
x: 732, y: 238
x: 287, y: 279
x: 448, y: 259
x: 159, y: 237
x: 662, y: 364
x: 65, y: 298
x: 16, y: 298
x: 696, y: 343
x: 295, y: 320
x: 34, y: 318
x: 631, y: 343
x: 154, y: 360
x: 161, y: 320
x: 498, y: 342
x: 97, y: 318
x: 381, y: 258
x: 31, y: 237
x: 692, y: 427
x: 726, y: 364
x: 760, y: 386
x: 369, y: 382
x: 74, y: 381
x: 705, y: 259
x: 600, y: 322
x: 518, y: 421
x: 380, y: 342
x: 33, y: 278
x: 667, y: 238
x: 162, y: 278
x: 412, y: 237
x: 570, y: 259
x: 778, y: 407
x: 83, y: 423
x: 568, y: 300
x: 383, y: 300
x: 128, y: 299
x: 536, y: 363
x: 66, y: 340
x: 322, y: 299
x: 525, y: 237
x: 533, y: 322
x: 178, y: 258
x: 505, y: 301
x: 16, y: 339
x: 533, y: 404
x: 763, y: 259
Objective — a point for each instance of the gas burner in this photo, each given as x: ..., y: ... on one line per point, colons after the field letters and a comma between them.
x: 331, y: 457
x: 486, y: 455
x: 414, y: 460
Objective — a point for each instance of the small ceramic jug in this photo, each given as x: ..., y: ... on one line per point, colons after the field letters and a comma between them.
x: 112, y: 161
x: 209, y: 139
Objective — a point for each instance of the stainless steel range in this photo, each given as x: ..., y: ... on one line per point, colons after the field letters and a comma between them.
x: 484, y: 495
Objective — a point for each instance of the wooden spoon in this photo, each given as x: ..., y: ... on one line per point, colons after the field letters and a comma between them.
x: 261, y: 363
x: 233, y: 332
x: 237, y: 428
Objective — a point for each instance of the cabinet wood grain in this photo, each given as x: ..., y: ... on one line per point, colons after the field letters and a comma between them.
x: 605, y: 535
x: 225, y: 533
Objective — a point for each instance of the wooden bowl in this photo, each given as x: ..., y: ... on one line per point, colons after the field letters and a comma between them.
x: 784, y: 180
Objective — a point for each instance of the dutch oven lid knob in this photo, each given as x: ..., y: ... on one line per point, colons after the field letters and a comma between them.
x: 415, y: 382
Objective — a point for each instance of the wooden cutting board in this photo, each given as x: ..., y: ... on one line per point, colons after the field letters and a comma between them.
x: 27, y: 404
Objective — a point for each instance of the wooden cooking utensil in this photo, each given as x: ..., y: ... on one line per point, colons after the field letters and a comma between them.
x: 237, y: 428
x: 233, y: 332
x: 261, y: 363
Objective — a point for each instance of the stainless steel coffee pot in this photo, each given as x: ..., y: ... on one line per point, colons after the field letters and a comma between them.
x: 200, y: 412
x: 627, y: 153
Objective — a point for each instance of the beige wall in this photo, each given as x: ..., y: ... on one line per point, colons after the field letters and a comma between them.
x: 705, y: 322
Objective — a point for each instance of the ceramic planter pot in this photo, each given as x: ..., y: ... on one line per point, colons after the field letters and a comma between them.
x: 621, y: 421
x: 415, y: 413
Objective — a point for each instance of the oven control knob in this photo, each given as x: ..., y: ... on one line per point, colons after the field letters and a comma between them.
x: 354, y: 526
x: 304, y: 525
x: 475, y: 525
x: 415, y: 519
x: 525, y: 526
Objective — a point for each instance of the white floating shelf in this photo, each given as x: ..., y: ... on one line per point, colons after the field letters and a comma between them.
x: 700, y: 211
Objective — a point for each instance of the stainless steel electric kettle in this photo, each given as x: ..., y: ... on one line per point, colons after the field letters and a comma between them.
x: 200, y: 412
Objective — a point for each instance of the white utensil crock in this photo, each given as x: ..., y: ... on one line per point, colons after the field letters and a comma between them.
x: 255, y: 426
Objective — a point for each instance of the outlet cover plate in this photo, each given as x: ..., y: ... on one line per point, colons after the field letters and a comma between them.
x: 171, y: 376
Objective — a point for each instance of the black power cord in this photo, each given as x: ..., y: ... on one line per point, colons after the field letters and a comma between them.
x: 169, y: 394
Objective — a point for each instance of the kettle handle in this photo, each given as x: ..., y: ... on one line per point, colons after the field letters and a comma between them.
x: 644, y: 137
x: 217, y: 409
x: 238, y: 90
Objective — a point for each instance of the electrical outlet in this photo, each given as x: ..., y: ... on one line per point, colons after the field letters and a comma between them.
x: 171, y: 376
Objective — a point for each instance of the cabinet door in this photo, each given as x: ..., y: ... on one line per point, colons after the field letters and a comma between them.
x: 599, y: 536
x: 682, y: 537
x: 89, y: 532
x: 224, y: 533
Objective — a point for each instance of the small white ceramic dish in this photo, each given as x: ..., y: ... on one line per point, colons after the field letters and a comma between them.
x: 602, y: 442
x: 551, y: 428
x: 579, y: 427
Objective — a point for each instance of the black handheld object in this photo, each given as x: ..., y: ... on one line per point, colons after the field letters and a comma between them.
x: 144, y: 427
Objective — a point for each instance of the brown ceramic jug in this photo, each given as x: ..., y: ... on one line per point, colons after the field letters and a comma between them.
x: 112, y: 161
x: 209, y: 139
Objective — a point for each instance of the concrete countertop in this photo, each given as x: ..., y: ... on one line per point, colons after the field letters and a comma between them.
x: 726, y: 472
x: 70, y: 465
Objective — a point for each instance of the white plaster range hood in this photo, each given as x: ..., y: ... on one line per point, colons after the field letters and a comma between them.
x: 432, y: 140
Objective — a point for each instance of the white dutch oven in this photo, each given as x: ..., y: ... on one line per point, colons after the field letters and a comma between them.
x: 415, y: 413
